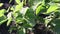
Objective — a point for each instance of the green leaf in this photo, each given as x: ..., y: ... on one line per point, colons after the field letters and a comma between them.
x: 9, y: 21
x: 27, y: 25
x: 39, y: 8
x: 12, y: 8
x: 2, y: 12
x: 47, y: 21
x: 2, y: 19
x: 18, y: 7
x: 19, y: 18
x: 15, y: 15
x: 52, y: 8
x: 17, y: 1
x: 1, y: 4
x: 57, y: 1
x: 30, y: 17
x: 21, y: 31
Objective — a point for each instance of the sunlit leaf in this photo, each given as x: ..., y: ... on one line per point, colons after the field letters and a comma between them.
x: 1, y: 4
x: 39, y: 8
x: 15, y: 15
x: 12, y: 8
x: 3, y: 21
x: 57, y: 1
x: 52, y: 8
x: 18, y: 7
x: 9, y: 21
x: 2, y: 12
x: 18, y: 1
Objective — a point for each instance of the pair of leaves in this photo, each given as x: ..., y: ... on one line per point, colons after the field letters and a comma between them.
x: 49, y: 10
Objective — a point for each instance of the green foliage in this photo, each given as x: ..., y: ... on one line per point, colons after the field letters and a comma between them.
x: 27, y: 17
x: 52, y: 8
x: 38, y: 10
x: 2, y: 19
x: 2, y: 12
